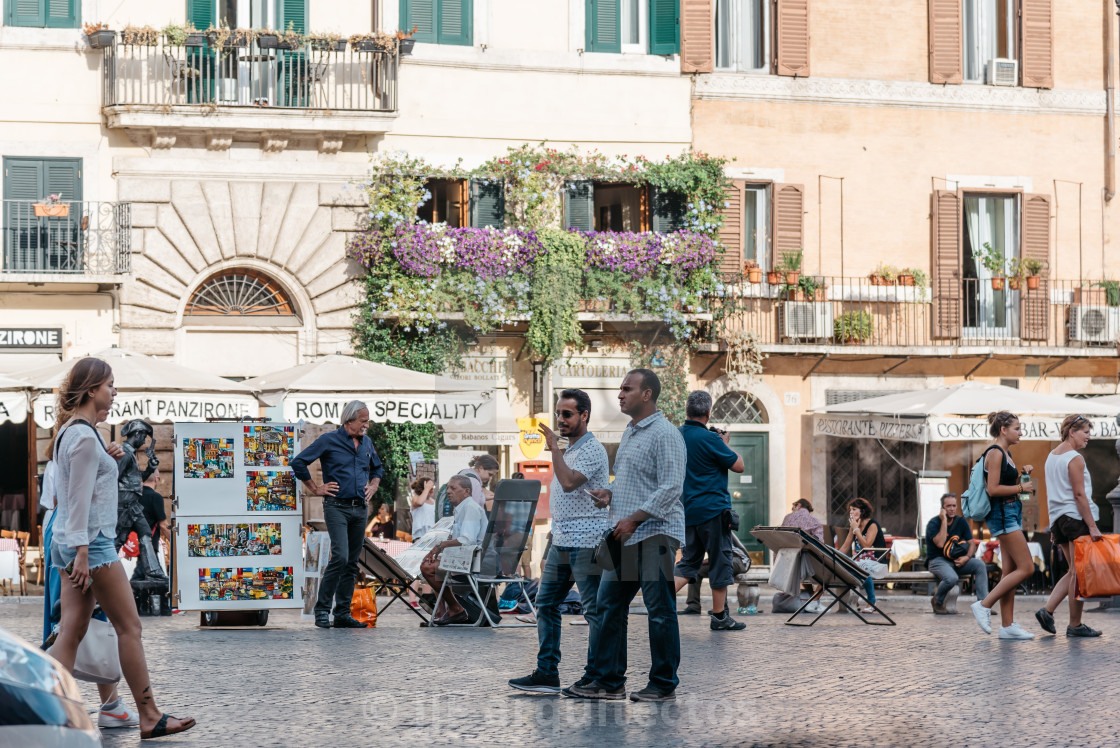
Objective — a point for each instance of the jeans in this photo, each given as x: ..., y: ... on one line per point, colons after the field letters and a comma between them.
x: 948, y: 574
x: 869, y: 588
x: 346, y: 525
x: 562, y: 568
x: 646, y: 566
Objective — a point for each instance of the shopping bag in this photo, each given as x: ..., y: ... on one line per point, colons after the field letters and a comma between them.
x: 97, y: 660
x: 1097, y: 565
x: 363, y: 606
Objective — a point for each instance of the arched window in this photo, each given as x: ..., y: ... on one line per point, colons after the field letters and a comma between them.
x: 738, y: 408
x: 241, y: 292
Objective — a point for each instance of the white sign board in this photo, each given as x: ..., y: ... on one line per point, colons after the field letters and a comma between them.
x: 159, y: 407
x: 931, y: 487
x: 594, y: 372
x: 946, y: 429
x: 483, y: 369
x: 453, y: 407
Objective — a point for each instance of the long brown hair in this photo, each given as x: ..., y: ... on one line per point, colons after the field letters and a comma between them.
x: 86, y: 375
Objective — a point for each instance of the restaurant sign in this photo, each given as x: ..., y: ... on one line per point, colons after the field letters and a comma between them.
x: 160, y: 407
x: 592, y: 372
x: 38, y: 338
x: 470, y: 407
x: 871, y: 427
x: 483, y: 369
x: 947, y: 429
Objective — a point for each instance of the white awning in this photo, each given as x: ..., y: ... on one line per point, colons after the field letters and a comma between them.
x: 14, y: 363
x: 502, y: 430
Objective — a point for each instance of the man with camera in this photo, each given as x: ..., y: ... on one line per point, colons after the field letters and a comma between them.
x: 950, y: 553
x: 707, y: 508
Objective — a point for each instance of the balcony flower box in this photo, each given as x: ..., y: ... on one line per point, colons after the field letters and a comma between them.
x: 905, y: 279
x: 101, y: 39
x: 328, y: 45
x: 51, y: 210
x: 406, y: 46
x: 1087, y: 296
x: 268, y: 41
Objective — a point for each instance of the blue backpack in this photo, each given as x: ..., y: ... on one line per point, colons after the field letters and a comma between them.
x: 975, y: 503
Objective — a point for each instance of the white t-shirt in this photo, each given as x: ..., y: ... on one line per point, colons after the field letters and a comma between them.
x: 1059, y: 490
x: 423, y: 517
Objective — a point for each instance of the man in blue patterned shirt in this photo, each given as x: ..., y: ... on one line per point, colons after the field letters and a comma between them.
x: 578, y: 524
x: 648, y: 517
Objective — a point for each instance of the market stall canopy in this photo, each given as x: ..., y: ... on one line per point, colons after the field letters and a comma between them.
x: 959, y: 413
x: 1107, y: 399
x: 316, y: 392
x: 13, y: 400
x: 150, y: 388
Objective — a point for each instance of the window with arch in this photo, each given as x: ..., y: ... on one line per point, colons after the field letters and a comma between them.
x: 237, y: 293
x: 738, y: 408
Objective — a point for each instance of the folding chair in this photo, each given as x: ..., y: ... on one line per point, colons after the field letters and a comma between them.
x: 472, y: 569
x: 397, y: 575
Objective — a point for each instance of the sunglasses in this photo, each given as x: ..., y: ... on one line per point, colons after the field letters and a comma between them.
x: 565, y: 413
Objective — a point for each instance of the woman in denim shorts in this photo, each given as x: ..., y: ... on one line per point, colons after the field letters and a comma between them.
x: 84, y: 528
x: 1005, y: 521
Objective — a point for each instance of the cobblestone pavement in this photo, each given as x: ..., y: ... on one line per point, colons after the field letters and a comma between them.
x: 925, y: 682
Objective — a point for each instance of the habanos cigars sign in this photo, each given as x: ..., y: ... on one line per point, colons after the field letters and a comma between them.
x: 461, y: 407
x: 947, y: 429
x: 158, y: 407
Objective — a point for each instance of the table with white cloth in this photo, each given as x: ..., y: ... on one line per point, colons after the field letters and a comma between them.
x: 9, y: 559
x: 391, y: 547
x: 903, y: 551
x: 1034, y: 548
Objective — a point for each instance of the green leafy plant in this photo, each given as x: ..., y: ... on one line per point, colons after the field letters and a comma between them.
x: 555, y: 293
x: 921, y: 278
x: 176, y: 35
x: 853, y: 327
x: 790, y: 261
x: 993, y: 260
x: 1031, y: 266
x: 1111, y: 291
x: 813, y: 287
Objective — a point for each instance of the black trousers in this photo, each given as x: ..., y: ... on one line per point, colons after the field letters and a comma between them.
x: 346, y: 525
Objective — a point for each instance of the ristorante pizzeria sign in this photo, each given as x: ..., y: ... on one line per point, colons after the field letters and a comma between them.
x: 948, y: 429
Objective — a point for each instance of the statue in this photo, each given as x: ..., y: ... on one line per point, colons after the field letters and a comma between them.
x: 130, y: 513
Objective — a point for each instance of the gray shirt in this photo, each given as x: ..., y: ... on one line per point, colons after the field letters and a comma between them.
x: 86, y: 487
x: 649, y: 470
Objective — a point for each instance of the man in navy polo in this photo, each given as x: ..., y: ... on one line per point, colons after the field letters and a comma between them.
x: 707, y: 508
x: 351, y: 474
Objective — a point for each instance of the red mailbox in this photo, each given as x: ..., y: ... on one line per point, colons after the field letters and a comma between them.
x: 539, y: 470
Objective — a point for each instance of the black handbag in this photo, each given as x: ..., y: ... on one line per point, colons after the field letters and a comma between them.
x: 731, y: 519
x: 608, y: 554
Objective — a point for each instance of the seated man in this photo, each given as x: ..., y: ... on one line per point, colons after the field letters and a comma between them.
x: 802, y: 516
x: 948, y: 568
x: 469, y: 529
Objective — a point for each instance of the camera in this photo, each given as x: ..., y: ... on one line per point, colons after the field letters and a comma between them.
x: 714, y: 430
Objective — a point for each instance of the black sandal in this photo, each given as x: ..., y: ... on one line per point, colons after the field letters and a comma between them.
x: 160, y: 730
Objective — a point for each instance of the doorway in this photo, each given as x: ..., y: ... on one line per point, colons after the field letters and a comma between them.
x: 991, y: 228
x: 750, y: 489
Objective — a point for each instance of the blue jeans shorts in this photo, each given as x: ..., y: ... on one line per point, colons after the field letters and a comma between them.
x: 102, y: 552
x: 1005, y: 517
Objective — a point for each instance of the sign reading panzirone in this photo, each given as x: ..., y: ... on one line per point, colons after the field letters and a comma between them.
x: 457, y: 407
x: 31, y: 337
x: 947, y: 429
x: 161, y: 407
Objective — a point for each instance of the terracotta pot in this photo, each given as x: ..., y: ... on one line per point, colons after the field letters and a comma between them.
x: 1014, y: 283
x: 876, y: 279
x: 792, y: 278
x: 821, y: 294
x: 773, y: 277
x: 754, y: 275
x: 997, y: 284
x: 42, y: 210
x: 1033, y: 282
x: 1088, y: 296
x: 796, y: 293
x: 905, y: 279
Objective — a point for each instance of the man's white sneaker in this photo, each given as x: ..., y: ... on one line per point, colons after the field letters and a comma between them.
x: 983, y: 616
x: 1014, y: 631
x: 119, y: 717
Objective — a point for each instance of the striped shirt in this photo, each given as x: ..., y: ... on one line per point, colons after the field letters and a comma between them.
x: 649, y: 472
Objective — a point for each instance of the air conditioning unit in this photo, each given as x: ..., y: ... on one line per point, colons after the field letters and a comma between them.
x: 1094, y: 324
x: 805, y: 319
x: 1003, y: 72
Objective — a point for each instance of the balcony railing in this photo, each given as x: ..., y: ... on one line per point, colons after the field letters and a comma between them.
x: 76, y: 238
x: 250, y: 76
x: 854, y: 312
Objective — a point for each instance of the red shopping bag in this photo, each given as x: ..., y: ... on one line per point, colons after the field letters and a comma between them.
x: 363, y: 606
x: 1097, y: 565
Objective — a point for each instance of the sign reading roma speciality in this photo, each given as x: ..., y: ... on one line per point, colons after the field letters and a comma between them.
x: 469, y: 407
x: 948, y: 429
x: 161, y: 407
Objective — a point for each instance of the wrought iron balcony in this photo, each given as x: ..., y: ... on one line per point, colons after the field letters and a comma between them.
x: 71, y: 238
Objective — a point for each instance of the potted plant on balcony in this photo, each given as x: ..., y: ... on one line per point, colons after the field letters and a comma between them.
x: 268, y: 39
x: 1014, y: 274
x: 291, y: 39
x: 373, y: 42
x: 405, y: 42
x: 905, y: 277
x: 752, y: 271
x: 995, y: 263
x: 99, y: 35
x: 328, y: 42
x: 1032, y: 269
x: 853, y: 327
x: 814, y: 289
x: 183, y: 36
x: 774, y: 277
x: 1111, y: 291
x: 140, y: 36
x: 790, y: 266
x: 883, y: 275
x: 51, y: 207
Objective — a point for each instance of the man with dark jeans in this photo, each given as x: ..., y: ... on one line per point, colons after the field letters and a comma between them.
x: 645, y: 507
x: 946, y: 526
x: 351, y: 474
x: 578, y: 524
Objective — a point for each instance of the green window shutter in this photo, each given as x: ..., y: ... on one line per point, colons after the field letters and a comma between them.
x: 294, y: 12
x: 488, y: 204
x: 602, y: 24
x: 579, y: 206
x: 63, y: 14
x: 664, y: 27
x: 201, y: 13
x: 23, y: 179
x: 668, y: 211
x: 422, y: 15
x: 63, y: 177
x: 456, y: 18
x: 25, y: 13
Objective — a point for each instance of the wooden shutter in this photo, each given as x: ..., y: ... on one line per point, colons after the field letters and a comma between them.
x: 488, y: 203
x: 23, y: 179
x: 1034, y: 307
x: 698, y: 46
x: 62, y: 14
x: 602, y: 26
x: 422, y: 15
x: 1037, y: 39
x: 455, y: 22
x: 664, y: 27
x: 63, y: 177
x: 731, y: 231
x: 946, y: 61
x: 295, y: 13
x: 579, y: 206
x: 25, y: 13
x: 945, y: 283
x: 201, y: 13
x: 667, y: 211
x: 787, y: 220
x: 791, y: 37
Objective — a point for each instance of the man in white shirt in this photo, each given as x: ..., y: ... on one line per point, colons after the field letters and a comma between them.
x: 469, y: 529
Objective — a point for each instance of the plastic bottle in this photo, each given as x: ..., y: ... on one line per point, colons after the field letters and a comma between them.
x: 1024, y: 477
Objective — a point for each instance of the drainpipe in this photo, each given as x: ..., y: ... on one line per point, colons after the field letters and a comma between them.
x: 1110, y: 108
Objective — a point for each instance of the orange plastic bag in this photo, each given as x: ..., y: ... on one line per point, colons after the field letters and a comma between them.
x: 1097, y: 565
x: 363, y: 606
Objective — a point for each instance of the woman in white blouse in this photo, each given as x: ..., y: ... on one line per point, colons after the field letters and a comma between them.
x: 83, y: 548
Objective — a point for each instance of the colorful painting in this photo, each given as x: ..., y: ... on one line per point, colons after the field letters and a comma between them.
x: 269, y: 446
x: 270, y: 492
x: 268, y: 583
x: 260, y: 539
x: 207, y: 458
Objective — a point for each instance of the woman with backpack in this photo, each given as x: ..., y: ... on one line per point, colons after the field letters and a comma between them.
x: 1005, y: 522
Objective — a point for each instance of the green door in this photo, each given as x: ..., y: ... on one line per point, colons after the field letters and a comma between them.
x: 750, y: 489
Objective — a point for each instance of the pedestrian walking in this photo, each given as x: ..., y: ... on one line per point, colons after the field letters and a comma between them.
x: 578, y: 524
x: 1005, y: 522
x: 1073, y: 514
x: 351, y: 474
x: 85, y: 524
x: 707, y: 508
x: 648, y: 518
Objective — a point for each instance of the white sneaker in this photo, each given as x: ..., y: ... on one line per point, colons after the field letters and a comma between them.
x: 1014, y: 631
x: 120, y: 717
x: 983, y: 616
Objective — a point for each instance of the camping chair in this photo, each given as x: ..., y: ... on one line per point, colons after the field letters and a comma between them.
x: 396, y: 575
x: 474, y: 568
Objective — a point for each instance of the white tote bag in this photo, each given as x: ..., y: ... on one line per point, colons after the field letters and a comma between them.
x: 98, y: 660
